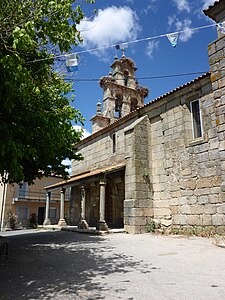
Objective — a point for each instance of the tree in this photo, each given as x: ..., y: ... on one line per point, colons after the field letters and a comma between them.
x: 36, y: 131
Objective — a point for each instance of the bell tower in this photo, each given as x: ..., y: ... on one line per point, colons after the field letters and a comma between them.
x: 121, y: 93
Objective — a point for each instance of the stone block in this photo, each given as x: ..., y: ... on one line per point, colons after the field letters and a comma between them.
x: 203, y: 191
x: 194, y: 220
x: 214, y: 143
x: 183, y: 200
x: 140, y: 221
x: 129, y: 203
x: 209, y: 209
x: 174, y: 201
x: 185, y: 209
x: 196, y: 209
x: 166, y: 223
x: 128, y: 212
x: 144, y: 203
x: 190, y: 184
x: 215, y: 198
x: 192, y: 200
x: 204, y: 183
x: 179, y: 220
x: 211, y: 49
x: 132, y: 229
x: 218, y: 219
x: 186, y: 193
x: 161, y: 203
x: 203, y: 199
x: 174, y: 209
x: 160, y: 212
x: 206, y: 220
x: 221, y: 208
x: 215, y: 190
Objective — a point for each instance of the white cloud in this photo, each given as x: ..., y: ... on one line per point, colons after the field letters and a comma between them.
x: 110, y: 26
x: 172, y: 20
x: 182, y: 5
x: 86, y: 133
x: 152, y: 6
x: 207, y: 3
x: 183, y: 25
x: 151, y: 47
x: 67, y: 162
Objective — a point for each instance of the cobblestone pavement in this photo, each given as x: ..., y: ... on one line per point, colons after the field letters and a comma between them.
x: 66, y: 265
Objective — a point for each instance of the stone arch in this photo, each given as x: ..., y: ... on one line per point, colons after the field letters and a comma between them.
x: 118, y: 105
x: 126, y: 75
x: 133, y: 104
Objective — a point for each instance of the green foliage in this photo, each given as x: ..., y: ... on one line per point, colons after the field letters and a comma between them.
x: 151, y: 226
x: 35, y: 113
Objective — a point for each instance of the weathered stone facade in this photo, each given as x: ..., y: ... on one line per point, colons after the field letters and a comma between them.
x: 163, y: 162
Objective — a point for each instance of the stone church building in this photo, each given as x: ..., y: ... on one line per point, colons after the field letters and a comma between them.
x: 157, y: 163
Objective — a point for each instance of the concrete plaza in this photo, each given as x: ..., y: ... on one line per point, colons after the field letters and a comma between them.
x: 68, y: 265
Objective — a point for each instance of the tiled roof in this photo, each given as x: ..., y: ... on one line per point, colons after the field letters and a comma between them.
x: 70, y: 182
x: 212, y: 5
x: 129, y: 115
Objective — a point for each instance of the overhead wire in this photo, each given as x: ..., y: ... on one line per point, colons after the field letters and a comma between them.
x: 122, y: 43
x: 139, y: 78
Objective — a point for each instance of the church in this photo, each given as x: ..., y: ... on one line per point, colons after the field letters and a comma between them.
x: 156, y: 164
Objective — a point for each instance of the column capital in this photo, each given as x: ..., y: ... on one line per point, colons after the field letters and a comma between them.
x: 102, y: 180
x: 62, y: 190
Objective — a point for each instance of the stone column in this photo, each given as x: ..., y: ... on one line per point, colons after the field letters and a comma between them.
x: 47, y: 209
x: 102, y: 223
x: 83, y: 223
x: 62, y: 221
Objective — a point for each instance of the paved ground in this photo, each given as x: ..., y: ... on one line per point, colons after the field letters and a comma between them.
x: 65, y: 265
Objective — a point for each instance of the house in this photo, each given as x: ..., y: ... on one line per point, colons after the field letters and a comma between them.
x: 157, y: 163
x: 26, y: 200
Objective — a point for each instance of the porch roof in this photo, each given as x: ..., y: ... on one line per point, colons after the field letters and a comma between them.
x: 75, y: 178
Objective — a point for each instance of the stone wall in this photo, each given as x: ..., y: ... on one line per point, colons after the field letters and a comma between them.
x: 187, y: 173
x: 98, y: 153
x: 138, y: 189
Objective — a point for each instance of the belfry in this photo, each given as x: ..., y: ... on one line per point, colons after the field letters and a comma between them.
x: 121, y: 93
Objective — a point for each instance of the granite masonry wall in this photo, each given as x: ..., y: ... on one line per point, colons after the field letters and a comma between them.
x: 171, y: 178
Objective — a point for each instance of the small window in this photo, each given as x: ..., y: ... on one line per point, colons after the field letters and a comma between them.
x: 114, y: 142
x: 23, y: 190
x: 196, y: 119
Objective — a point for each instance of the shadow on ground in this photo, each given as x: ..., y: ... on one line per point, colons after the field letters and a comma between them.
x: 60, y: 265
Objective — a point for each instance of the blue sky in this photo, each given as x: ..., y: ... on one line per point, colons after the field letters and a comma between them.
x: 118, y: 21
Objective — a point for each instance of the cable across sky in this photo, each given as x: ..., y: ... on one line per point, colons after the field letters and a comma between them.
x: 125, y: 43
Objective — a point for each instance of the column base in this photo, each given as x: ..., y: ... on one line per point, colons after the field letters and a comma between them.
x: 83, y: 224
x: 102, y: 226
x: 47, y: 222
x: 62, y: 223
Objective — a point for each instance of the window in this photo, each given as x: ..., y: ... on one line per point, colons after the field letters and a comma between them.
x: 196, y: 119
x: 114, y: 142
x: 23, y: 190
x: 22, y: 212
